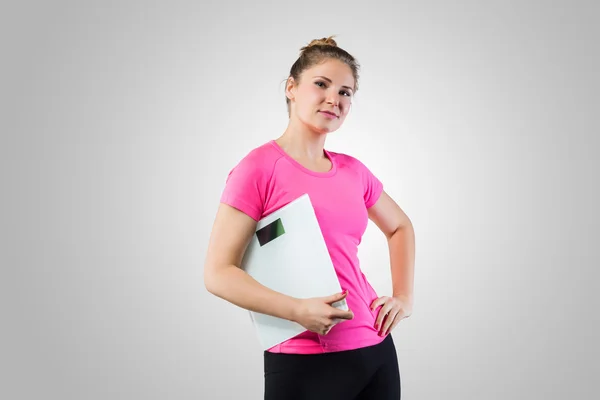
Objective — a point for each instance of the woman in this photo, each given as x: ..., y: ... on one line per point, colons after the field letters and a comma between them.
x: 342, y: 354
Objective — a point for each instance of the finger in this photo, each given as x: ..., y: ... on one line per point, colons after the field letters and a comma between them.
x: 341, y: 314
x: 388, y: 322
x: 378, y: 302
x: 336, y: 297
x: 383, y: 311
x: 328, y: 324
x: 396, y: 322
x: 399, y: 316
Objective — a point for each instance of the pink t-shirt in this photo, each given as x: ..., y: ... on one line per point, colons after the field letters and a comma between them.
x: 267, y: 178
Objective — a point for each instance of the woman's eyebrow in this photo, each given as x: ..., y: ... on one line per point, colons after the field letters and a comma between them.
x: 330, y: 81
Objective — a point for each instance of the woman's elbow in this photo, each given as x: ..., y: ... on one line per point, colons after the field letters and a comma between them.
x: 210, y: 279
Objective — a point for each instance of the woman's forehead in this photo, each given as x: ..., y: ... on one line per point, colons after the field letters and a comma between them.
x: 334, y: 70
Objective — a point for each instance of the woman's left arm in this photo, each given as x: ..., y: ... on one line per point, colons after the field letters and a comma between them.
x: 398, y: 229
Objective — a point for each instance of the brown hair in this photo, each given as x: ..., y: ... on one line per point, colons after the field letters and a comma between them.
x: 319, y: 51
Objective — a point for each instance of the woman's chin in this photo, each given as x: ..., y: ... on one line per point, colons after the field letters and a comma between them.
x: 325, y: 128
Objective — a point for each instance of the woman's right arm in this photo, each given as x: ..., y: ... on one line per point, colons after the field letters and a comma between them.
x: 231, y: 233
x: 230, y: 236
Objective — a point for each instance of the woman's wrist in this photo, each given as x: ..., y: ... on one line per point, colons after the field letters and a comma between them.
x: 295, y: 308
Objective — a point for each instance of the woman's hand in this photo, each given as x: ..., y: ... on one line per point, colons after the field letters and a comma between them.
x: 393, y: 309
x: 318, y: 315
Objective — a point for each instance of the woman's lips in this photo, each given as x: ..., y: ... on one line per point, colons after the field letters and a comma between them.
x: 328, y: 114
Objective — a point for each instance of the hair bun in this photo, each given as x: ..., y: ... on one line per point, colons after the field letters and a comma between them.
x: 321, y: 42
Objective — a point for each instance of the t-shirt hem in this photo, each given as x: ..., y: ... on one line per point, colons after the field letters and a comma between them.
x: 318, y: 348
x: 241, y: 205
x: 375, y: 197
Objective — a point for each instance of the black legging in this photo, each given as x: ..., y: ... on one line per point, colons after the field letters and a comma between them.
x: 362, y: 374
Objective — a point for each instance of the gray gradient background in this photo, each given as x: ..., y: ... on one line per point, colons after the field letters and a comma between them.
x: 121, y: 120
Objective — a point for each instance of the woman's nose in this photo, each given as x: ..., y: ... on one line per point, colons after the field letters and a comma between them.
x: 333, y: 99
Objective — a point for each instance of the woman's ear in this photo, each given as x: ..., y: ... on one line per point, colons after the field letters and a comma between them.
x: 290, y: 88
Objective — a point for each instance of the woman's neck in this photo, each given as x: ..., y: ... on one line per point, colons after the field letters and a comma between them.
x: 303, y: 143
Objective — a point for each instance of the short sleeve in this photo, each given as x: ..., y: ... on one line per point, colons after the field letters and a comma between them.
x: 373, y: 187
x: 245, y: 187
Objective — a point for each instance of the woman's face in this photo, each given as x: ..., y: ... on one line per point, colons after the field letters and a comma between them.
x: 323, y: 96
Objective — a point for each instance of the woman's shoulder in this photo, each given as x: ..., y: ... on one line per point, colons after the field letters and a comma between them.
x: 346, y: 160
x: 259, y: 159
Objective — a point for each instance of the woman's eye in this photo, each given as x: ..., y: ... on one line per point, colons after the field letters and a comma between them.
x: 344, y: 92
